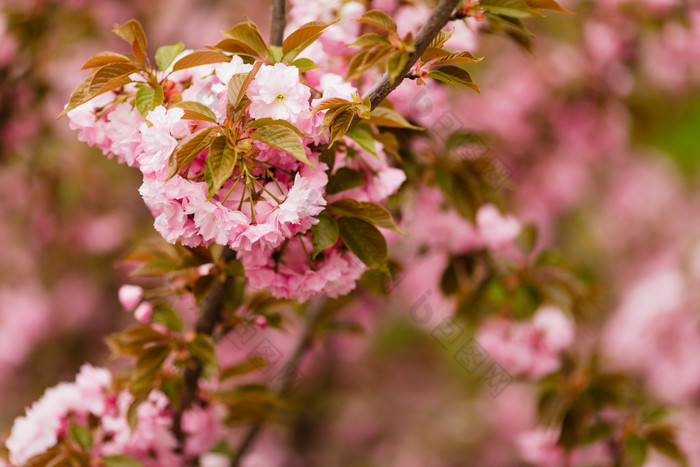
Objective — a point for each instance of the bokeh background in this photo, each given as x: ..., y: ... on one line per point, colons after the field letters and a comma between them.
x: 596, y: 122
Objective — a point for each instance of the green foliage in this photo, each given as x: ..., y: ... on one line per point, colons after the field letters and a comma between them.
x: 219, y: 164
x: 166, y: 54
x: 364, y: 241
x: 121, y: 460
x: 303, y: 37
x: 196, y: 111
x: 365, y: 210
x: 344, y: 179
x: 324, y: 234
x: 281, y: 137
x: 148, y: 98
x: 200, y: 57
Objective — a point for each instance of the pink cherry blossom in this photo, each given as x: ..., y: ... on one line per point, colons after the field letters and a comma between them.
x: 130, y: 296
x: 276, y: 92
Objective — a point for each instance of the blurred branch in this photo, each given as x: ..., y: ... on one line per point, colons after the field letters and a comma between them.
x: 282, y: 384
x: 209, y: 315
x: 278, y: 22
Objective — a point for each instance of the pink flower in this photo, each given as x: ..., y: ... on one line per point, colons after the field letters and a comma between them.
x: 528, y: 348
x: 130, y: 296
x: 39, y: 429
x: 539, y: 447
x: 143, y: 313
x: 335, y: 275
x: 495, y: 229
x: 276, y: 92
x: 158, y: 140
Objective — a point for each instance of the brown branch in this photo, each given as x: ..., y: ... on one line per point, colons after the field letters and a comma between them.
x: 209, y: 315
x: 282, y: 384
x: 279, y: 21
x: 438, y: 19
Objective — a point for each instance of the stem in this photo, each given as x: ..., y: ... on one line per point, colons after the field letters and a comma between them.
x: 279, y: 21
x: 314, y: 313
x: 209, y: 315
x: 438, y: 19
x: 267, y: 191
x: 231, y: 190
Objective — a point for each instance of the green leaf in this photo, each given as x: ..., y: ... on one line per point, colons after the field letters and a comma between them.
x: 515, y: 8
x: 105, y: 79
x: 662, y: 438
x: 148, y: 98
x: 370, y: 212
x: 261, y: 122
x: 196, y: 111
x: 200, y: 57
x: 370, y: 39
x: 276, y: 53
x: 364, y: 241
x: 54, y: 457
x: 636, y: 449
x: 527, y: 239
x: 249, y: 365
x: 304, y: 64
x: 397, y: 61
x: 248, y: 34
x: 237, y: 47
x: 366, y: 58
x: 132, y: 416
x: 104, y: 58
x: 202, y: 348
x: 120, y: 460
x: 188, y: 149
x: 363, y: 136
x: 110, y: 77
x: 332, y: 103
x: 383, y: 116
x: 219, y: 164
x: 132, y: 32
x: 344, y: 179
x: 510, y: 21
x: 81, y: 435
x: 548, y: 5
x: 165, y: 314
x: 441, y: 37
x: 379, y: 19
x: 135, y: 339
x: 456, y: 75
x: 166, y: 54
x: 455, y: 58
x: 340, y: 123
x: 324, y: 234
x: 147, y: 366
x: 239, y: 83
x: 282, y: 138
x: 303, y: 37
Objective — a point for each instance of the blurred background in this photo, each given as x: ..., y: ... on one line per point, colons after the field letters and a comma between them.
x: 596, y: 122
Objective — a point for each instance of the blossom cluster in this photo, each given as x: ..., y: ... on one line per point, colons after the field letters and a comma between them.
x: 93, y: 404
x: 270, y: 198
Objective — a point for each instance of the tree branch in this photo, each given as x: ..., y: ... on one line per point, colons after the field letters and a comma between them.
x: 438, y: 19
x: 209, y: 315
x: 279, y: 21
x: 282, y: 384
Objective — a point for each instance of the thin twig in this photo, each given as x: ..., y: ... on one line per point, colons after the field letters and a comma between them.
x: 438, y: 19
x: 279, y: 21
x: 281, y: 384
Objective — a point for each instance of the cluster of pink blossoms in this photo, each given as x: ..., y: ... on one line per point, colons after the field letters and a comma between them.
x: 91, y: 402
x: 288, y: 192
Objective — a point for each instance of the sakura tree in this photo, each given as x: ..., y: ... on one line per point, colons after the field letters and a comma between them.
x: 320, y: 175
